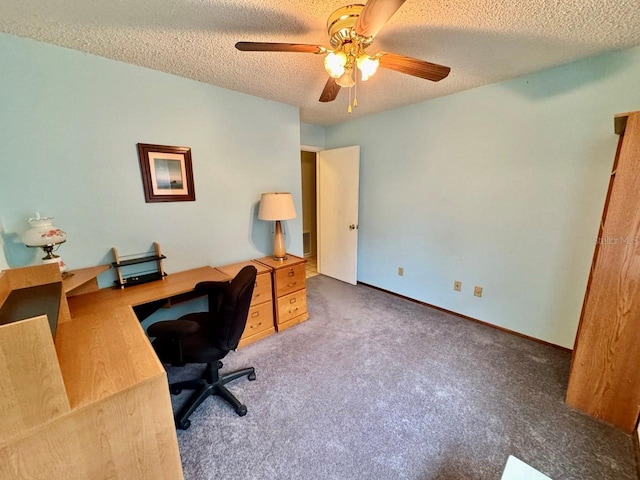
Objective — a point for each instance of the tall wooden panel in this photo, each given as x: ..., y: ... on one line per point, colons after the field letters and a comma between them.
x: 605, y: 369
x: 30, y: 381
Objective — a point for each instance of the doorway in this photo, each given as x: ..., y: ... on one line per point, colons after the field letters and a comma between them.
x: 330, y: 190
x: 309, y: 212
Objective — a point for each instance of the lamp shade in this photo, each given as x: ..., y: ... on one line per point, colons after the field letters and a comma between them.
x: 41, y: 232
x: 276, y: 206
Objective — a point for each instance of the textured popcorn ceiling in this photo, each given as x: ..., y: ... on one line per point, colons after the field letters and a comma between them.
x: 483, y: 41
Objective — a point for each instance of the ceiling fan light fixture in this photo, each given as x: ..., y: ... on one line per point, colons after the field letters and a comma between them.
x: 351, y: 30
x: 346, y: 79
x: 367, y: 65
x: 334, y: 63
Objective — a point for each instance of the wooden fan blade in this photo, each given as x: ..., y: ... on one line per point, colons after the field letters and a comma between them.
x: 279, y: 47
x: 374, y: 16
x: 413, y: 66
x: 330, y: 91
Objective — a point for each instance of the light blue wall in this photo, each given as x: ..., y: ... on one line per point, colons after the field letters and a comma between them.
x: 69, y: 125
x: 312, y: 135
x: 501, y: 186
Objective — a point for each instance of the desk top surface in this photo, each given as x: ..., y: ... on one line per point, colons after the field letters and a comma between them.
x: 172, y: 285
x: 233, y: 269
x: 103, y: 348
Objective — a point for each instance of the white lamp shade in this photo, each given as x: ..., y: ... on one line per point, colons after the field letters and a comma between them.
x: 42, y: 232
x: 276, y: 206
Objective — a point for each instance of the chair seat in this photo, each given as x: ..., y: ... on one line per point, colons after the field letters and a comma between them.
x: 197, y: 348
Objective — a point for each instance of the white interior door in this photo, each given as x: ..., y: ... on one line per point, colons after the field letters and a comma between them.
x: 338, y: 177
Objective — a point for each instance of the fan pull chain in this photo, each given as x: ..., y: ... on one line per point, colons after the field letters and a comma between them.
x: 355, y: 91
x: 349, y: 107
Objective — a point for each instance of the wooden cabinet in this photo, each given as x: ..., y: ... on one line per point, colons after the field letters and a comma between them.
x: 289, y: 290
x: 605, y: 379
x: 260, y: 319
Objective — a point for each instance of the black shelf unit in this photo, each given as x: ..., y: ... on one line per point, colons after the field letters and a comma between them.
x: 142, y: 277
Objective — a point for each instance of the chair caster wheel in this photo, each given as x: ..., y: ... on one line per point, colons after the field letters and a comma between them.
x: 241, y: 410
x: 184, y: 424
x: 175, y: 390
x: 251, y: 376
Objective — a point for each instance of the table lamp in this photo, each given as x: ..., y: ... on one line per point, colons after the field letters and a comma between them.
x: 43, y: 234
x: 277, y: 206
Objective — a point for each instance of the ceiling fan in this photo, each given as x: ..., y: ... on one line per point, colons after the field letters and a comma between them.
x: 352, y: 30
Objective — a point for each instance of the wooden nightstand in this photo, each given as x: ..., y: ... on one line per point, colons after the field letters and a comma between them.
x: 260, y: 319
x: 289, y: 290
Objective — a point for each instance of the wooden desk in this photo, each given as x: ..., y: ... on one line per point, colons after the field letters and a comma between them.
x: 107, y: 316
x: 112, y: 416
x: 83, y: 280
x: 171, y: 286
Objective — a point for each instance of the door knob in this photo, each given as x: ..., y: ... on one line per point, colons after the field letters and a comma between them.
x: 352, y: 227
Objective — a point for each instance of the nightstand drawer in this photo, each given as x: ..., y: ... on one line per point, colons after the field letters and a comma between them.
x: 292, y: 305
x: 262, y: 289
x: 260, y: 318
x: 290, y: 279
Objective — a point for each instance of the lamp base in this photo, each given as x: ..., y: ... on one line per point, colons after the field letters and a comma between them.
x: 279, y: 252
x: 50, y: 257
x: 61, y: 265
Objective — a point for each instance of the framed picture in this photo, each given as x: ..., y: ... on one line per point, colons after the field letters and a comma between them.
x: 167, y: 174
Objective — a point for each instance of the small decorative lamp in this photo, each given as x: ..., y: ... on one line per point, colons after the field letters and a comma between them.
x: 43, y: 234
x: 277, y: 206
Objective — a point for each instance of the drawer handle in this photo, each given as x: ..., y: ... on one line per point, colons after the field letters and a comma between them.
x: 293, y: 300
x: 255, y: 314
x: 291, y: 310
x: 255, y: 326
x: 256, y: 295
x: 292, y: 284
x: 291, y: 272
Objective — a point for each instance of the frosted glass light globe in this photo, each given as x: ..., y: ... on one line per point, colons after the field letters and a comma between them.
x: 334, y: 63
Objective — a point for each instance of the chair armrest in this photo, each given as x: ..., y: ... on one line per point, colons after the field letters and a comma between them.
x: 173, y: 328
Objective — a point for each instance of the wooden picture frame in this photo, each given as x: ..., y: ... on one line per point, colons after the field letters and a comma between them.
x: 167, y: 173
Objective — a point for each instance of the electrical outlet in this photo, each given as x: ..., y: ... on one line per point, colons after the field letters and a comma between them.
x: 401, y: 271
x: 457, y: 286
x: 477, y: 291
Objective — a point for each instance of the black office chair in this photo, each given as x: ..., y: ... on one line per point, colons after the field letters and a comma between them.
x: 207, y: 337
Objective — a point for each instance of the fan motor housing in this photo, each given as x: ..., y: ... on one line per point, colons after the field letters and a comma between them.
x: 341, y: 23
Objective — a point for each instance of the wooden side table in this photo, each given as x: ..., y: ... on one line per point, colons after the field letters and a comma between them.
x: 260, y: 319
x: 289, y: 290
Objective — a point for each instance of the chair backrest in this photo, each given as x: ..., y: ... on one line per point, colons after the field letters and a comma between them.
x: 229, y: 324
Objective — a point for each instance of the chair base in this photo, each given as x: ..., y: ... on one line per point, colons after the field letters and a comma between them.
x: 210, y: 384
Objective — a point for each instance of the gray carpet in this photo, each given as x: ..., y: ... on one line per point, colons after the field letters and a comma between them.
x: 373, y: 386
